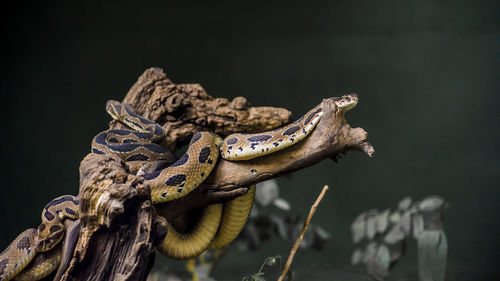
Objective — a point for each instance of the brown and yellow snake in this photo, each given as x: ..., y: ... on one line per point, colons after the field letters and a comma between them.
x: 168, y: 179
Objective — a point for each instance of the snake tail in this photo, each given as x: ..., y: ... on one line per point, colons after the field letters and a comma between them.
x: 234, y: 218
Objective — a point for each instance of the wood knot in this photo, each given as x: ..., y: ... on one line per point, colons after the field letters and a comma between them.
x: 239, y: 103
x: 202, y: 121
x: 221, y: 102
x: 173, y: 102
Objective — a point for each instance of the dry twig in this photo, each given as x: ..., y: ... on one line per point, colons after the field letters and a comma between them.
x: 301, y: 236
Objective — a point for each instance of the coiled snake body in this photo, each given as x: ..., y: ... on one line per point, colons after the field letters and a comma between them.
x: 56, y: 215
x: 168, y: 179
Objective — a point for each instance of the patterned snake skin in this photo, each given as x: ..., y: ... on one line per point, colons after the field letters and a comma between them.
x: 168, y: 178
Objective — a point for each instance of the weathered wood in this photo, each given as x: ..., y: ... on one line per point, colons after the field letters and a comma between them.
x: 119, y: 225
x: 183, y: 109
x: 331, y: 137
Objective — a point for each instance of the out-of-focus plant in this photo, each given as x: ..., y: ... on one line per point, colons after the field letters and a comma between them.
x: 259, y: 276
x: 263, y: 224
x: 387, y: 232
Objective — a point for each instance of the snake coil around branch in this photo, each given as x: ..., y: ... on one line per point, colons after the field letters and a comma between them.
x: 120, y: 227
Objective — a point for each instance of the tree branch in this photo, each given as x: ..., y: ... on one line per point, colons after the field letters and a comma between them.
x: 297, y: 243
x: 119, y: 227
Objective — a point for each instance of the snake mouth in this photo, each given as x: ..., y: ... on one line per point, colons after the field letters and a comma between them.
x: 347, y: 102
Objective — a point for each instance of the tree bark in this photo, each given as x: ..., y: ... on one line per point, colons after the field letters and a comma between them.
x: 120, y: 227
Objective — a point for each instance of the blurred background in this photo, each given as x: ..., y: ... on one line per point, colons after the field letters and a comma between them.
x: 426, y: 73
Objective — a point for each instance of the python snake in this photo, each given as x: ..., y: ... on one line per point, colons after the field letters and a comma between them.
x: 22, y: 250
x: 168, y: 178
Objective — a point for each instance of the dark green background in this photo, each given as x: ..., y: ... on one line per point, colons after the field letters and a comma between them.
x: 426, y: 73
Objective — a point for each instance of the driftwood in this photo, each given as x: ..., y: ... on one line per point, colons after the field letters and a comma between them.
x: 119, y: 226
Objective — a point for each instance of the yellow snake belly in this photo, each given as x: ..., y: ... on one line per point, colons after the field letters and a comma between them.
x: 195, y: 240
x: 234, y: 218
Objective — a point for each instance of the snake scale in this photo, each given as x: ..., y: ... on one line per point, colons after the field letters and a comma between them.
x: 169, y: 178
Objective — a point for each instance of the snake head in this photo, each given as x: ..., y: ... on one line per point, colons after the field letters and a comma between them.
x: 48, y: 237
x: 347, y: 102
x: 113, y: 108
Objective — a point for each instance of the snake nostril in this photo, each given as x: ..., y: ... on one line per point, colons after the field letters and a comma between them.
x: 253, y: 172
